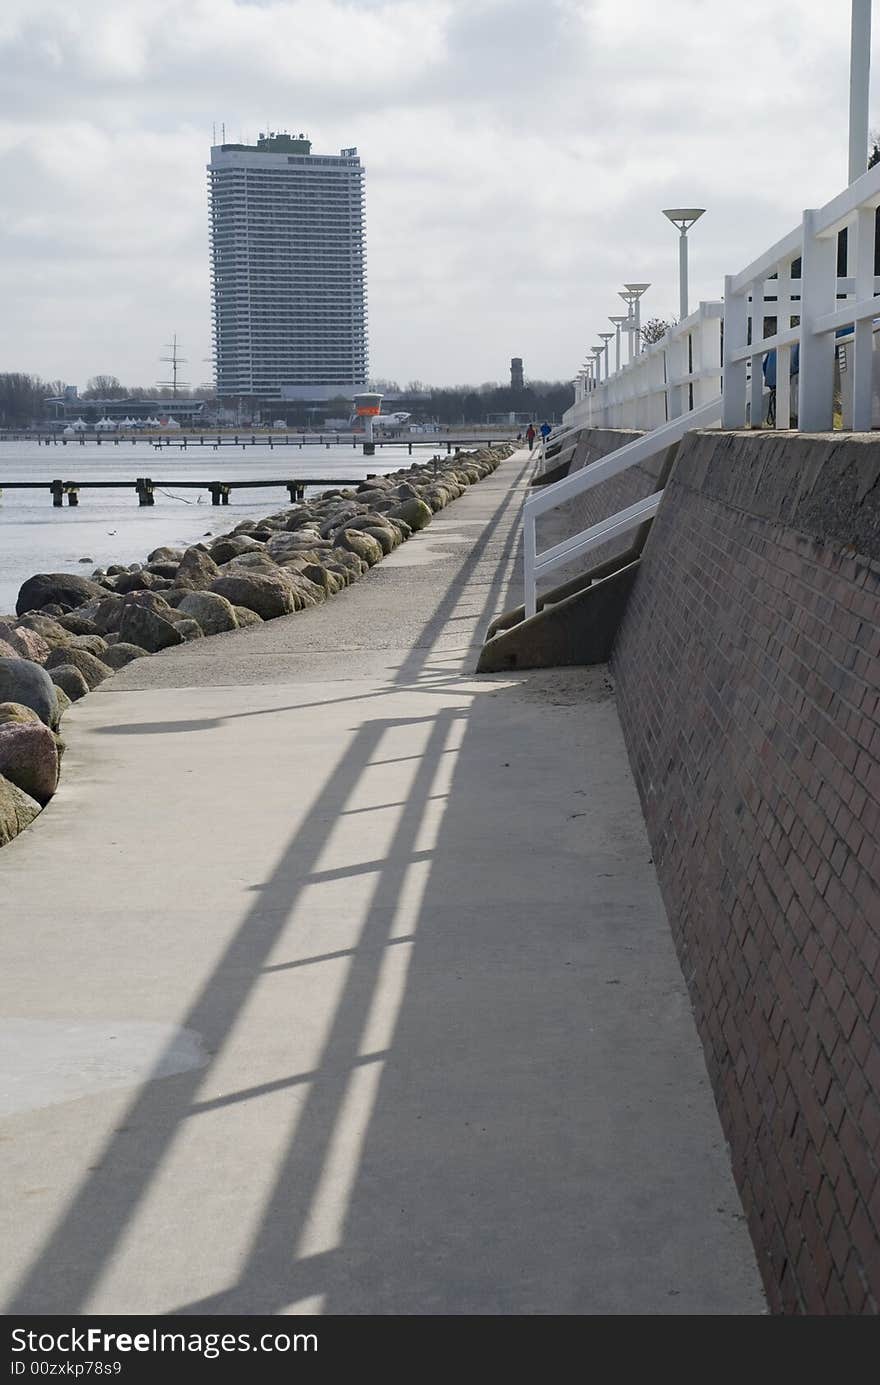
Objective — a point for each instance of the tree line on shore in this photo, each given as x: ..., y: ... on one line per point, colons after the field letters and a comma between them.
x: 23, y: 398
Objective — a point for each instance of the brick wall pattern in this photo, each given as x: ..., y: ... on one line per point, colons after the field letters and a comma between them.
x: 748, y: 678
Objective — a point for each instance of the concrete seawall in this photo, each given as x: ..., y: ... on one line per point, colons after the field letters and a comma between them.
x: 747, y: 669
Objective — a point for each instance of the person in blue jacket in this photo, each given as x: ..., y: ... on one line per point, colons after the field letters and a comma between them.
x: 769, y: 368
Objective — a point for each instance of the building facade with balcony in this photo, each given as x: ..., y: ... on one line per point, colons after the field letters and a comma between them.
x: 288, y: 270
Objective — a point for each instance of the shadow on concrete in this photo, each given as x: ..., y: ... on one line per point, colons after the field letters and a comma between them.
x: 523, y: 1142
x: 86, y: 1238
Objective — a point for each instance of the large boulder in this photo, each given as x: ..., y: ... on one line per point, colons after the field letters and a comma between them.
x: 165, y: 555
x: 8, y: 651
x: 280, y: 545
x: 197, y: 569
x: 137, y: 582
x: 306, y: 593
x: 413, y: 512
x: 147, y: 628
x: 62, y: 589
x: 70, y: 681
x: 230, y: 547
x: 364, y: 546
x: 17, y: 811
x: 62, y: 702
x: 23, y: 681
x: 213, y: 613
x: 18, y: 713
x: 245, y: 617
x: 330, y: 582
x: 189, y: 629
x: 29, y: 758
x: 92, y: 644
x: 46, y: 627
x: 344, y: 559
x: 91, y: 668
x: 248, y: 562
x: 105, y: 615
x: 76, y: 624
x: 387, y: 537
x: 267, y: 594
x: 150, y: 601
x: 27, y: 644
x: 119, y: 654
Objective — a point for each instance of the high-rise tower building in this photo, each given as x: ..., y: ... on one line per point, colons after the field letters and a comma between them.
x: 288, y: 272
x: 516, y: 373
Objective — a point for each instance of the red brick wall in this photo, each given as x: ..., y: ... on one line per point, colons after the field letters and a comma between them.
x: 748, y: 677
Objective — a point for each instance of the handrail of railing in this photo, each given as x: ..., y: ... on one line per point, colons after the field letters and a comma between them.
x: 549, y: 497
x: 751, y: 295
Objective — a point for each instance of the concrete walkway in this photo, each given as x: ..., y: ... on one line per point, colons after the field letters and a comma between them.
x: 337, y: 980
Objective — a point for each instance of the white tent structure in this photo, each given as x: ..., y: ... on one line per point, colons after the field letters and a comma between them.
x: 170, y: 423
x: 105, y: 425
x: 79, y: 426
x: 69, y: 431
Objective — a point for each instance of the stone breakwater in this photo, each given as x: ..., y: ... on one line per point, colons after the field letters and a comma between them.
x: 70, y: 633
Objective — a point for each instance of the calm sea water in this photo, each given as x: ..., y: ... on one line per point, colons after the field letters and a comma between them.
x: 110, y: 527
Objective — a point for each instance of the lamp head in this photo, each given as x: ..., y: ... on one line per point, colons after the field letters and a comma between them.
x: 606, y: 336
x: 683, y: 217
x: 637, y: 289
x: 618, y: 321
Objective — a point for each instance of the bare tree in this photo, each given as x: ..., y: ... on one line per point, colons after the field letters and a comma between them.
x: 104, y: 387
x: 655, y: 329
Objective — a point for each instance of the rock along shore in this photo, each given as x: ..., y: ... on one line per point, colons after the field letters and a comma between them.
x: 70, y: 633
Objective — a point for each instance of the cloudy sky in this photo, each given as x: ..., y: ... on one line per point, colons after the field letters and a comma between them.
x: 518, y: 153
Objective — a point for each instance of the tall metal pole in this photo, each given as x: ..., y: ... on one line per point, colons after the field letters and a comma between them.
x: 618, y: 322
x: 859, y: 84
x: 682, y: 276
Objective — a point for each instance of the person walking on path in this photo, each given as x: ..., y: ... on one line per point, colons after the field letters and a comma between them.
x: 530, y: 436
x: 546, y: 430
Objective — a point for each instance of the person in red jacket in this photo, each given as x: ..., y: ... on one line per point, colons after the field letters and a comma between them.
x: 530, y: 436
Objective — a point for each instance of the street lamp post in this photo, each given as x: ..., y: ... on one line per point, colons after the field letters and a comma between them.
x: 636, y: 290
x: 597, y: 353
x: 629, y: 323
x: 606, y: 338
x: 618, y: 323
x: 859, y: 83
x: 683, y: 218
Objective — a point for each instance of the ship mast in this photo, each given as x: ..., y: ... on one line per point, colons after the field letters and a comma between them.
x: 175, y: 360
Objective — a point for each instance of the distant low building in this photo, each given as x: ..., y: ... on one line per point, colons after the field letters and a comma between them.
x: 67, y: 408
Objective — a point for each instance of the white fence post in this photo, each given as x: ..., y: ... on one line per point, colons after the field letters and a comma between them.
x: 676, y: 368
x: 756, y: 388
x: 863, y: 338
x: 736, y: 317
x: 818, y: 297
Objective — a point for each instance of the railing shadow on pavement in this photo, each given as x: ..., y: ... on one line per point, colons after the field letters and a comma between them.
x: 91, y: 1232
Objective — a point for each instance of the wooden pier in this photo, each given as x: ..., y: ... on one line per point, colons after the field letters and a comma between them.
x: 245, y: 440
x: 145, y: 487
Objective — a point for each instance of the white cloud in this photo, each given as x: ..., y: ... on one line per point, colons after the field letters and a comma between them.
x: 517, y: 154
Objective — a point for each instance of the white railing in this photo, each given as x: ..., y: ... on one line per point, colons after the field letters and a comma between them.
x: 824, y: 305
x: 684, y: 368
x: 680, y: 371
x: 537, y: 565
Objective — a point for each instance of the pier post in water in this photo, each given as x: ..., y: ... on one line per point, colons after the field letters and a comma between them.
x: 57, y: 489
